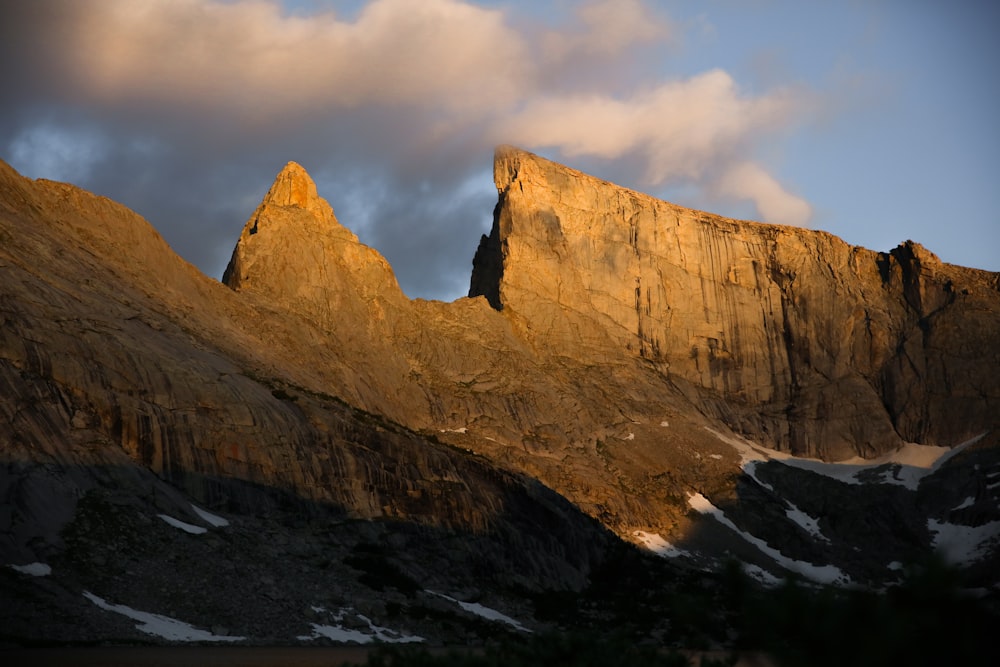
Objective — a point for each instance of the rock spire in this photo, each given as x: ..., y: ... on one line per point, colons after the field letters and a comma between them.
x: 294, y: 251
x: 294, y: 187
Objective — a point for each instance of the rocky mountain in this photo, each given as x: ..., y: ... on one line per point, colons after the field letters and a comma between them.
x: 251, y: 455
x: 814, y: 346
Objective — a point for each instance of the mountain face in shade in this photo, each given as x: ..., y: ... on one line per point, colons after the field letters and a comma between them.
x: 625, y: 371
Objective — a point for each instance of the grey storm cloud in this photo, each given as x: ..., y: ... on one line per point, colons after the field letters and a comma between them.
x: 184, y: 110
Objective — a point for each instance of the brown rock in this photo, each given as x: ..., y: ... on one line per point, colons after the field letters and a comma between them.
x: 808, y: 341
x: 612, y: 314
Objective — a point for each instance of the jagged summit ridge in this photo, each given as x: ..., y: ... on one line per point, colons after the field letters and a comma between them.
x: 792, y: 336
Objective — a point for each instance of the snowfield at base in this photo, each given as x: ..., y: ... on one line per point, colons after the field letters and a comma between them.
x: 961, y: 545
x: 761, y: 575
x: 823, y: 574
x: 484, y: 612
x: 186, y: 527
x: 34, y: 569
x: 658, y: 545
x: 209, y: 518
x: 750, y: 470
x: 339, y: 633
x: 906, y: 466
x: 161, y: 626
x: 968, y: 502
x: 808, y: 523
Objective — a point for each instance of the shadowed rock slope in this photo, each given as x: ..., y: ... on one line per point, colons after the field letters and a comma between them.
x: 622, y: 347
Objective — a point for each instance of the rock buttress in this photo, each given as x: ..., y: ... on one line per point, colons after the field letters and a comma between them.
x: 815, y: 346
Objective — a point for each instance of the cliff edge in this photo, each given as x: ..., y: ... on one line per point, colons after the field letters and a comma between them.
x: 812, y: 345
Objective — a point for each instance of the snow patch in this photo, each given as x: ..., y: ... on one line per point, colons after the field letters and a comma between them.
x: 968, y: 502
x: 824, y: 574
x: 658, y: 545
x: 748, y: 452
x: 761, y: 575
x: 34, y: 569
x: 339, y: 633
x: 906, y: 466
x: 161, y: 626
x: 808, y: 523
x: 963, y: 544
x: 209, y: 518
x: 895, y: 566
x: 630, y: 436
x: 484, y: 612
x: 462, y: 429
x: 664, y: 423
x: 186, y: 527
x: 750, y: 470
x: 717, y: 457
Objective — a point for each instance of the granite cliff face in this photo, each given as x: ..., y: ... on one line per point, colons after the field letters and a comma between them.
x: 619, y: 358
x: 293, y: 252
x: 118, y: 354
x: 802, y: 341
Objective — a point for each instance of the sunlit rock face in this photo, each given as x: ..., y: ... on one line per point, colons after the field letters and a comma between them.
x: 115, y: 353
x: 129, y: 377
x: 295, y: 253
x: 613, y: 349
x: 812, y: 345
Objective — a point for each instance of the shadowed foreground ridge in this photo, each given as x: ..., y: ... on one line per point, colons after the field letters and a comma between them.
x: 637, y: 373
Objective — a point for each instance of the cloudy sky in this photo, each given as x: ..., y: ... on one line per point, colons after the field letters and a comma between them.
x: 875, y: 120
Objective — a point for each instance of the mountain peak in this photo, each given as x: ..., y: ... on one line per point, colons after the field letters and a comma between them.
x: 507, y: 165
x: 291, y: 209
x: 294, y: 250
x: 644, y: 359
x: 762, y: 315
x: 294, y: 187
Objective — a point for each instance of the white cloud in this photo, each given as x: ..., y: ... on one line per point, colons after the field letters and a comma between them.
x: 606, y: 27
x: 747, y: 180
x: 688, y: 130
x: 406, y: 98
x: 252, y: 58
